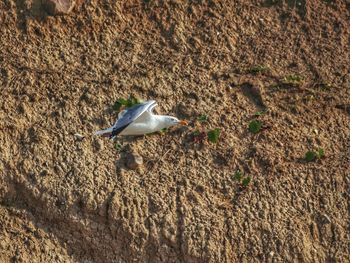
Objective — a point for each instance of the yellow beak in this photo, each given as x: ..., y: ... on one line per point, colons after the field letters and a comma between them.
x: 183, y: 122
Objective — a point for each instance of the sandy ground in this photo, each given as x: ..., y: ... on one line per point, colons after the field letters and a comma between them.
x: 69, y: 200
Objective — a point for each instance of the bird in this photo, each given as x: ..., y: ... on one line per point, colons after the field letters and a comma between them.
x: 139, y: 120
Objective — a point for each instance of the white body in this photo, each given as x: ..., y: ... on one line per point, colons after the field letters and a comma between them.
x: 146, y: 123
x: 142, y: 126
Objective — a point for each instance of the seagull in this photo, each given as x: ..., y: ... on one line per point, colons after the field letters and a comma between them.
x: 139, y: 120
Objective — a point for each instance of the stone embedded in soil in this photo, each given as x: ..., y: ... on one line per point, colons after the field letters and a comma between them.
x: 59, y: 7
x: 133, y: 161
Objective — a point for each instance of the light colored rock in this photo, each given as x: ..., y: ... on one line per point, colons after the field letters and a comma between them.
x: 60, y: 7
x: 133, y: 161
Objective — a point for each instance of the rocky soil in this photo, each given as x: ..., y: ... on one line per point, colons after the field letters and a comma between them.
x: 70, y: 199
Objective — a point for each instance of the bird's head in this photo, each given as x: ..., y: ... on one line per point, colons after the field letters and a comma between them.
x: 171, y: 121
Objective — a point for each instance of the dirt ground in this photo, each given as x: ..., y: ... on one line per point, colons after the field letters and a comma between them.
x: 70, y: 200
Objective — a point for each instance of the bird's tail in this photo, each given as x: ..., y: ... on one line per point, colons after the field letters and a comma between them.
x: 105, y: 133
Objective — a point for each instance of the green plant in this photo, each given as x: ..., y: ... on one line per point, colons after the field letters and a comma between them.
x: 213, y: 135
x: 118, y: 147
x: 127, y: 103
x: 259, y: 113
x: 320, y: 153
x: 255, y: 126
x: 313, y: 155
x: 203, y: 118
x: 238, y: 176
x: 257, y: 69
x: 246, y: 181
x: 293, y: 79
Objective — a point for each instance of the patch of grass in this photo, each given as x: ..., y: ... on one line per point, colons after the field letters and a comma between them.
x: 127, y: 103
x: 238, y: 176
x: 243, y: 180
x: 118, y: 147
x: 311, y: 156
x: 255, y: 126
x: 259, y: 113
x: 203, y: 118
x: 293, y: 79
x: 320, y: 153
x: 213, y: 135
x: 246, y: 181
x: 258, y: 69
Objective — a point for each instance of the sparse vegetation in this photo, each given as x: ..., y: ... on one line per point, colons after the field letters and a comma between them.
x: 313, y: 155
x: 258, y: 69
x: 259, y: 113
x: 213, y: 135
x: 200, y: 136
x: 255, y: 126
x: 243, y: 180
x: 203, y: 118
x: 125, y: 103
x: 246, y: 181
x: 320, y: 153
x: 164, y: 130
x: 293, y: 79
x: 118, y: 147
x: 238, y: 175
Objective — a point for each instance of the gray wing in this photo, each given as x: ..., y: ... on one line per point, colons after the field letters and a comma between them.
x: 130, y: 115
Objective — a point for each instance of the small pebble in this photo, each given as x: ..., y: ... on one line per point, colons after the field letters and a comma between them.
x: 133, y: 161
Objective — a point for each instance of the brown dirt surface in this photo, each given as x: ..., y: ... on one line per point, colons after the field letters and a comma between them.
x: 64, y: 199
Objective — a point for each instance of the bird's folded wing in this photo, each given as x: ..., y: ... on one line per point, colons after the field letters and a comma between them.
x: 131, y: 115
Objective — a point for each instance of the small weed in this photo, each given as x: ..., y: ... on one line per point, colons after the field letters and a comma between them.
x: 127, y: 103
x: 164, y: 130
x: 293, y: 79
x: 313, y: 155
x: 310, y: 156
x: 213, y: 135
x: 203, y: 118
x: 259, y: 113
x: 238, y: 176
x: 275, y: 86
x: 246, y: 181
x: 320, y: 153
x: 118, y: 147
x: 258, y: 69
x: 255, y: 126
